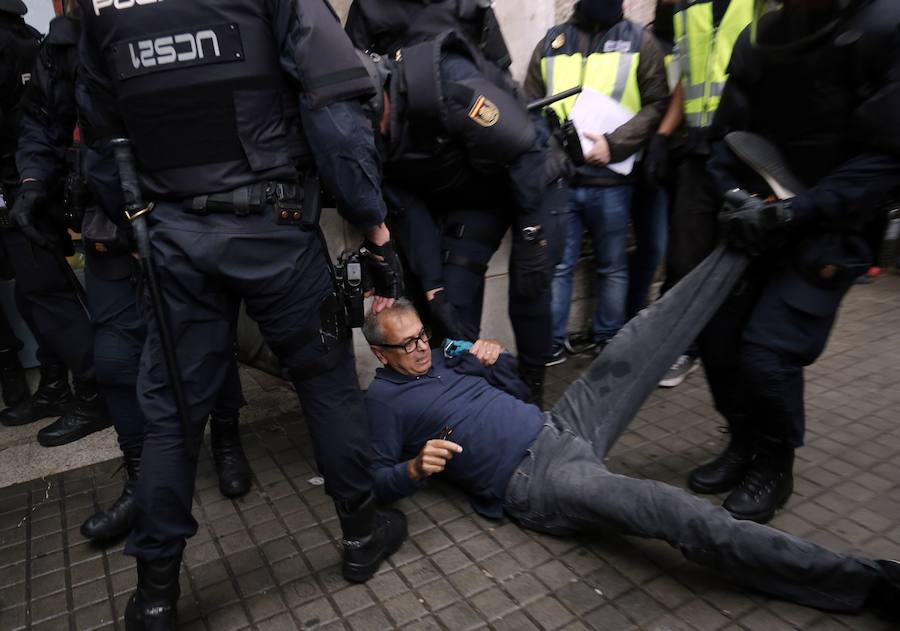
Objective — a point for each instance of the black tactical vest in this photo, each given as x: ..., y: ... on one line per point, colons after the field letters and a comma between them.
x: 202, y: 92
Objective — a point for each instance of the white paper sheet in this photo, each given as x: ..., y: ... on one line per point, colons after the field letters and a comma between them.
x: 597, y: 113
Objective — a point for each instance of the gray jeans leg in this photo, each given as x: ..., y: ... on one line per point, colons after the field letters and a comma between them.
x: 587, y: 496
x: 601, y: 403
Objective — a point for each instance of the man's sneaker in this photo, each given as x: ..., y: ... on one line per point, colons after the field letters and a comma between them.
x: 678, y: 372
x: 558, y: 357
x: 580, y: 343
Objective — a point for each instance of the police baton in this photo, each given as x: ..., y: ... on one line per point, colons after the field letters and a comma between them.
x: 553, y: 98
x: 136, y: 211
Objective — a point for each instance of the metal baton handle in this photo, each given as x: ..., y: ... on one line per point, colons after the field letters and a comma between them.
x: 136, y: 211
x: 550, y: 100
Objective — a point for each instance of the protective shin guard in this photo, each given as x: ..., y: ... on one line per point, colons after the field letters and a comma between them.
x: 153, y: 605
x: 370, y: 537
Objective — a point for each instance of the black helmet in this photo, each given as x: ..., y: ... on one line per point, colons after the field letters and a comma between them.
x: 16, y: 7
x: 793, y: 26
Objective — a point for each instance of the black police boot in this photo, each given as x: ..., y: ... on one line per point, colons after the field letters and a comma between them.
x: 728, y: 469
x: 533, y: 376
x: 153, y: 605
x: 370, y: 536
x: 115, y: 523
x: 766, y: 486
x: 228, y: 455
x: 12, y: 378
x: 52, y: 398
x: 86, y: 417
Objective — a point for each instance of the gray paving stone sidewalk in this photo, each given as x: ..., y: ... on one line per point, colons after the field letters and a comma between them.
x: 269, y: 561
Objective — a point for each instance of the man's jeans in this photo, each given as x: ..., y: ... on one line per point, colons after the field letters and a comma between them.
x: 604, y: 211
x: 562, y: 485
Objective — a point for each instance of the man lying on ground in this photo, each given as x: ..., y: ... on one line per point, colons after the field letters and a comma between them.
x: 546, y: 471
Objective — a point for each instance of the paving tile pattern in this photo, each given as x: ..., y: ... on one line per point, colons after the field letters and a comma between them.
x: 269, y: 561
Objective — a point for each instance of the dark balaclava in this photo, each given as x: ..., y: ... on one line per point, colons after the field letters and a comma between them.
x: 602, y: 12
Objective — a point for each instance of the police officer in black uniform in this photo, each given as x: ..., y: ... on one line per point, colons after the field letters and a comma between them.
x: 223, y: 102
x: 463, y: 164
x: 51, y: 110
x: 18, y: 49
x: 820, y: 80
x: 48, y: 301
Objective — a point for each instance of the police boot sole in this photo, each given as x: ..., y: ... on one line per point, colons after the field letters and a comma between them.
x: 763, y: 516
x: 70, y: 437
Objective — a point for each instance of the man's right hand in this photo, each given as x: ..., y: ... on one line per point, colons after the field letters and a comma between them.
x: 432, y: 459
x: 30, y: 198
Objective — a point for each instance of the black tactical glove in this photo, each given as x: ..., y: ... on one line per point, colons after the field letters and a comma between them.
x: 445, y: 313
x: 529, y: 266
x: 385, y: 268
x: 752, y: 224
x: 656, y: 160
x: 30, y: 198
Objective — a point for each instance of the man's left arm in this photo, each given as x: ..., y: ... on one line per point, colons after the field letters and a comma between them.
x: 654, y: 88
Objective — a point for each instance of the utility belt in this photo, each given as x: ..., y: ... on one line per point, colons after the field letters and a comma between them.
x: 296, y: 203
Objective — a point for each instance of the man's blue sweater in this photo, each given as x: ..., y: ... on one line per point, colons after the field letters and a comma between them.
x: 494, y: 428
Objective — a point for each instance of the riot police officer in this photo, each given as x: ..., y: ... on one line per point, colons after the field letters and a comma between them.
x: 51, y: 110
x: 820, y: 80
x: 208, y: 94
x: 462, y: 164
x: 18, y: 49
x: 47, y: 295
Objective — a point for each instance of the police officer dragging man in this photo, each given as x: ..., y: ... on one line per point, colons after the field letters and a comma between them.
x: 463, y: 163
x: 218, y: 139
x: 820, y: 81
x: 55, y: 105
x: 48, y: 296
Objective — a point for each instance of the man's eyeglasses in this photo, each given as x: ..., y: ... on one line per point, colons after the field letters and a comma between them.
x: 411, y: 344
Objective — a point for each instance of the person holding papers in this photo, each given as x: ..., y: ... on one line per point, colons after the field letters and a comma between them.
x: 621, y: 68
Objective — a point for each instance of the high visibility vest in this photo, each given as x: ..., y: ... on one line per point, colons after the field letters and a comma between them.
x: 610, y: 68
x: 703, y: 51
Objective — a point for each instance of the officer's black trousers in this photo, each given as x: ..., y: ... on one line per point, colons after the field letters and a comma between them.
x: 8, y: 337
x: 466, y: 260
x: 207, y: 265
x: 693, y: 229
x: 48, y: 304
x: 755, y: 348
x: 119, y: 334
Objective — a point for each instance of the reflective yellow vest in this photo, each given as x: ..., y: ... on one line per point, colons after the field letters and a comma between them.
x: 703, y: 51
x: 610, y: 68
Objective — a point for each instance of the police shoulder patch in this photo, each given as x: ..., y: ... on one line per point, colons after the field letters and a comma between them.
x: 484, y: 112
x: 559, y: 42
